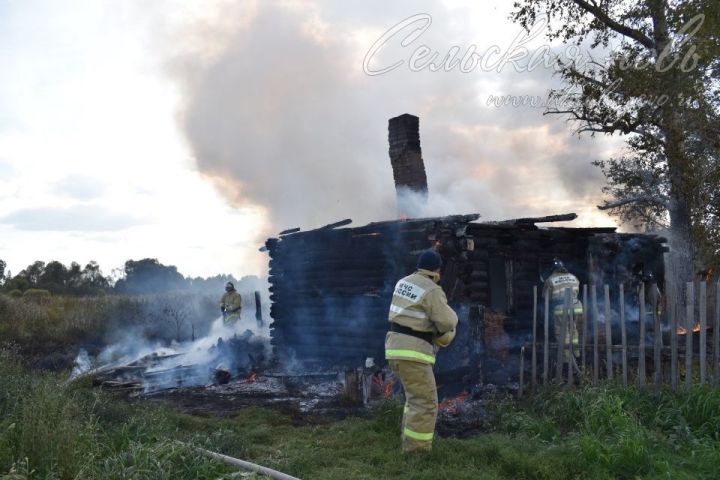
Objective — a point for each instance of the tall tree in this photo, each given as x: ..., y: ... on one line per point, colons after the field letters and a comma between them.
x: 3, y: 265
x: 660, y: 87
x: 33, y: 273
x: 53, y: 277
x: 150, y: 276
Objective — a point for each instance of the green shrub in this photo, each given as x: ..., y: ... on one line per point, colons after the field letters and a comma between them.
x: 37, y: 294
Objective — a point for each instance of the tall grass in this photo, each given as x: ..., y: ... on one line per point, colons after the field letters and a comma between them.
x: 49, y: 432
x: 626, y: 432
x: 50, y: 324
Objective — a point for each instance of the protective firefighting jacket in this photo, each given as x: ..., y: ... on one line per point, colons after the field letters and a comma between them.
x: 555, y: 287
x: 232, y: 301
x: 420, y: 304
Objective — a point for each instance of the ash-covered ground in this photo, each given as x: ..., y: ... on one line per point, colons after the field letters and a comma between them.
x: 231, y: 369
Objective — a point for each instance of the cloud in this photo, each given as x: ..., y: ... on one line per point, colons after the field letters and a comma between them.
x: 79, y: 187
x: 7, y: 171
x: 81, y: 218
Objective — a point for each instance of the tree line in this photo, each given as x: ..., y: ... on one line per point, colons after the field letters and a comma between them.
x: 146, y: 276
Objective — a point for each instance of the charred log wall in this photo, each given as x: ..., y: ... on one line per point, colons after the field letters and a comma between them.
x: 331, y: 288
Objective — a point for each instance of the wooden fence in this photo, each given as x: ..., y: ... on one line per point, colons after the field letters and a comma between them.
x: 671, y: 347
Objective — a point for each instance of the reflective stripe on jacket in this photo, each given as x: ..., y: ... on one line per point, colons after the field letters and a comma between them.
x: 556, y: 284
x: 419, y: 303
x: 577, y: 308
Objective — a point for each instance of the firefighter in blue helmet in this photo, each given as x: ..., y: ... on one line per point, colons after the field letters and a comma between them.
x: 420, y: 320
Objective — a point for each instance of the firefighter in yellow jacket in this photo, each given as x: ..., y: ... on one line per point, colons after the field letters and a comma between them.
x: 420, y: 321
x: 555, y: 286
x: 230, y: 304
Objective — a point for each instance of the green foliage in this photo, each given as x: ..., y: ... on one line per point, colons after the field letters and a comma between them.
x: 139, y: 277
x: 654, y: 80
x: 149, y: 276
x: 59, y: 279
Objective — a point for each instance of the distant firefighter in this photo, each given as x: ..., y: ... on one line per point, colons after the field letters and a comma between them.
x: 230, y: 304
x: 420, y: 321
x: 555, y: 287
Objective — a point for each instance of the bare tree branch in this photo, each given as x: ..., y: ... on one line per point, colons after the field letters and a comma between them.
x: 639, y: 198
x: 630, y: 32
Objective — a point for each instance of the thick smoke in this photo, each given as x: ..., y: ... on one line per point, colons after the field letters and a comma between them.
x: 282, y: 117
x: 235, y: 348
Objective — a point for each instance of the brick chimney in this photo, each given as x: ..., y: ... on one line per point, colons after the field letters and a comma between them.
x: 407, y: 164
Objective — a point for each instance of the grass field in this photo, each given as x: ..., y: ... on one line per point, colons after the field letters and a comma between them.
x: 54, y: 325
x: 53, y: 432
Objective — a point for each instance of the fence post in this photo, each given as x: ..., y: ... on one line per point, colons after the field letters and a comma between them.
x: 716, y: 337
x: 608, y: 334
x: 623, y: 336
x: 522, y: 372
x: 673, y: 309
x: 657, y: 337
x: 641, y: 340
x: 533, y: 368
x: 703, y: 333
x: 586, y: 320
x: 596, y: 355
x: 546, y: 340
x: 689, y: 321
x: 570, y: 322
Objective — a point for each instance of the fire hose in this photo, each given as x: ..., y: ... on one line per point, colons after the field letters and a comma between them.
x: 253, y: 467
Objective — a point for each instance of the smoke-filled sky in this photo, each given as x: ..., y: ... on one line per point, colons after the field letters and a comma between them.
x: 189, y: 130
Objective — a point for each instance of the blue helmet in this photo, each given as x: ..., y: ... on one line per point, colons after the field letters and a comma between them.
x: 429, y: 260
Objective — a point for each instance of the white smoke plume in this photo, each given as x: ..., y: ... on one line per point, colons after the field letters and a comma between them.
x: 203, y: 355
x: 279, y: 115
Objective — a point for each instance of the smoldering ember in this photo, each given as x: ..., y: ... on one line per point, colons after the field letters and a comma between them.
x: 330, y: 289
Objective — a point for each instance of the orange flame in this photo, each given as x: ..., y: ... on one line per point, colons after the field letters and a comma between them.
x: 451, y: 405
x: 388, y: 389
x: 381, y: 386
x: 683, y: 330
x: 250, y: 379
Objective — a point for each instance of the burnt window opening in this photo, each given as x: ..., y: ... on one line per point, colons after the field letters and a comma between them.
x: 498, y: 285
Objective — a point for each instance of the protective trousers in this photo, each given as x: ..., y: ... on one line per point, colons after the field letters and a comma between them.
x: 231, y: 318
x: 421, y: 404
x: 572, y: 337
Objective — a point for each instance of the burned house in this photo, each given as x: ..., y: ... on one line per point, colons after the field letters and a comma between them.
x: 331, y: 287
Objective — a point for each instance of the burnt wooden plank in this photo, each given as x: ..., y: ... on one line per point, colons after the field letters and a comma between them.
x: 641, y: 339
